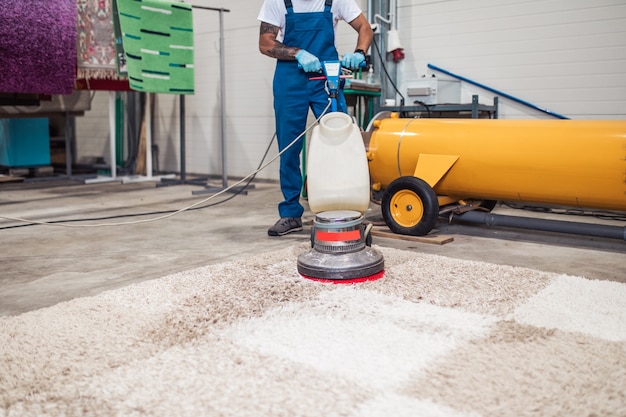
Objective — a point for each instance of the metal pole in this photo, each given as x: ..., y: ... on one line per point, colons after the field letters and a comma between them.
x: 238, y: 190
x: 149, y: 105
x: 215, y: 9
x: 183, y: 173
x: 223, y: 101
x: 112, y: 133
x: 68, y: 145
x: 222, y: 90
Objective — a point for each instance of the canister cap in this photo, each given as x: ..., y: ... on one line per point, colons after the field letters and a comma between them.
x: 338, y: 216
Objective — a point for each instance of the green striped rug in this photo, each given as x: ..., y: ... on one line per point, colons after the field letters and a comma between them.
x: 157, y: 36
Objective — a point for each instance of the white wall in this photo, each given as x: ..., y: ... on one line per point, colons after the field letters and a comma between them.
x: 92, y: 129
x: 249, y: 102
x: 568, y: 56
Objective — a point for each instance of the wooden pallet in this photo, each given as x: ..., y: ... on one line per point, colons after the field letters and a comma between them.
x: 40, y: 171
x: 10, y: 178
x: 433, y: 239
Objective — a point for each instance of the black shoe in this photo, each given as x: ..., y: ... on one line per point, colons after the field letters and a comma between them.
x: 285, y: 225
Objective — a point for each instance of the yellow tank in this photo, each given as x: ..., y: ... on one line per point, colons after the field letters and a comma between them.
x: 556, y: 162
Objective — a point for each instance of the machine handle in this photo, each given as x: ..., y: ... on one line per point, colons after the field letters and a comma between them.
x: 323, y: 77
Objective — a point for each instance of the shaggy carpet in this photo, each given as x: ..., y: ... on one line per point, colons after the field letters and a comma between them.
x: 435, y: 337
x: 37, y: 46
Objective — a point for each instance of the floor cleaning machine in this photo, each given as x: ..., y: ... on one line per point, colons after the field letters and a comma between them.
x: 338, y: 189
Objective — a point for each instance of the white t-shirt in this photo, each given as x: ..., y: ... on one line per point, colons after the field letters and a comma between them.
x: 274, y: 11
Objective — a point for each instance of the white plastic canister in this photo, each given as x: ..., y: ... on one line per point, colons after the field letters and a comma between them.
x: 337, y: 169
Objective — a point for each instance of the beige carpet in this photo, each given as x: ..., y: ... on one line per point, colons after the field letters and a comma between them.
x: 435, y: 337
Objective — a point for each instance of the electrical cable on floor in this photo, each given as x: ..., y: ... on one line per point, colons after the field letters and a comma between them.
x: 153, y: 213
x: 173, y: 213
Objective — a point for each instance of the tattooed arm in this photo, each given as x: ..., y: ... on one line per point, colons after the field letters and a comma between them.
x: 268, y: 45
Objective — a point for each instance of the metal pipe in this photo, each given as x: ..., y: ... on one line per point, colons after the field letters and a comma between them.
x: 112, y: 133
x: 68, y: 147
x: 183, y: 152
x: 547, y: 225
x: 393, y: 14
x: 381, y: 18
x: 215, y: 9
x: 500, y: 93
x: 223, y: 101
x: 149, y: 124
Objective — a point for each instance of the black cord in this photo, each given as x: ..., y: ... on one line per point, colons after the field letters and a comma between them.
x: 382, y: 64
x: 152, y: 213
x: 426, y: 106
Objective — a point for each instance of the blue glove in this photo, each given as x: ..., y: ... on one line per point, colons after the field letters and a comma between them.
x: 308, y: 61
x: 353, y: 60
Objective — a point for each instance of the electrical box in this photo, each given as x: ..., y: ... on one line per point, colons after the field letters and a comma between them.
x: 433, y: 91
x: 24, y: 142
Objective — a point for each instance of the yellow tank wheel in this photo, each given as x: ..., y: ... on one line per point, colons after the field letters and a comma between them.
x: 410, y: 206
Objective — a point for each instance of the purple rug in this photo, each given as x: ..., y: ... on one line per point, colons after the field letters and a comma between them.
x: 38, y: 46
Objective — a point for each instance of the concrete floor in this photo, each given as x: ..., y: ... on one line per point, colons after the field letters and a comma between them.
x: 43, y: 265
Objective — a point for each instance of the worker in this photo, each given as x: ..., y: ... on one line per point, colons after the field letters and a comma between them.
x: 300, y: 34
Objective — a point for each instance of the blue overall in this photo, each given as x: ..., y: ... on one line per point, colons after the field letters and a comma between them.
x: 294, y: 94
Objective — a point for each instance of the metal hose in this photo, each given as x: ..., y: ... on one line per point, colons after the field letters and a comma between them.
x: 559, y: 226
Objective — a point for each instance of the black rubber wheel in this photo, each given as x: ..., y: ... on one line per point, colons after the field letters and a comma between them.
x: 410, y: 206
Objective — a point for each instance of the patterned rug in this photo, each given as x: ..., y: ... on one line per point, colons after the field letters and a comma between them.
x: 157, y: 36
x: 435, y: 337
x: 96, y: 40
x: 37, y: 46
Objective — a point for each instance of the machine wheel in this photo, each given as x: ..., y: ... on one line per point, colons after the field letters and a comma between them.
x: 410, y: 206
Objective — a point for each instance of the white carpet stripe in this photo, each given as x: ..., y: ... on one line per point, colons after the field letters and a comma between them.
x: 595, y: 308
x: 365, y: 336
